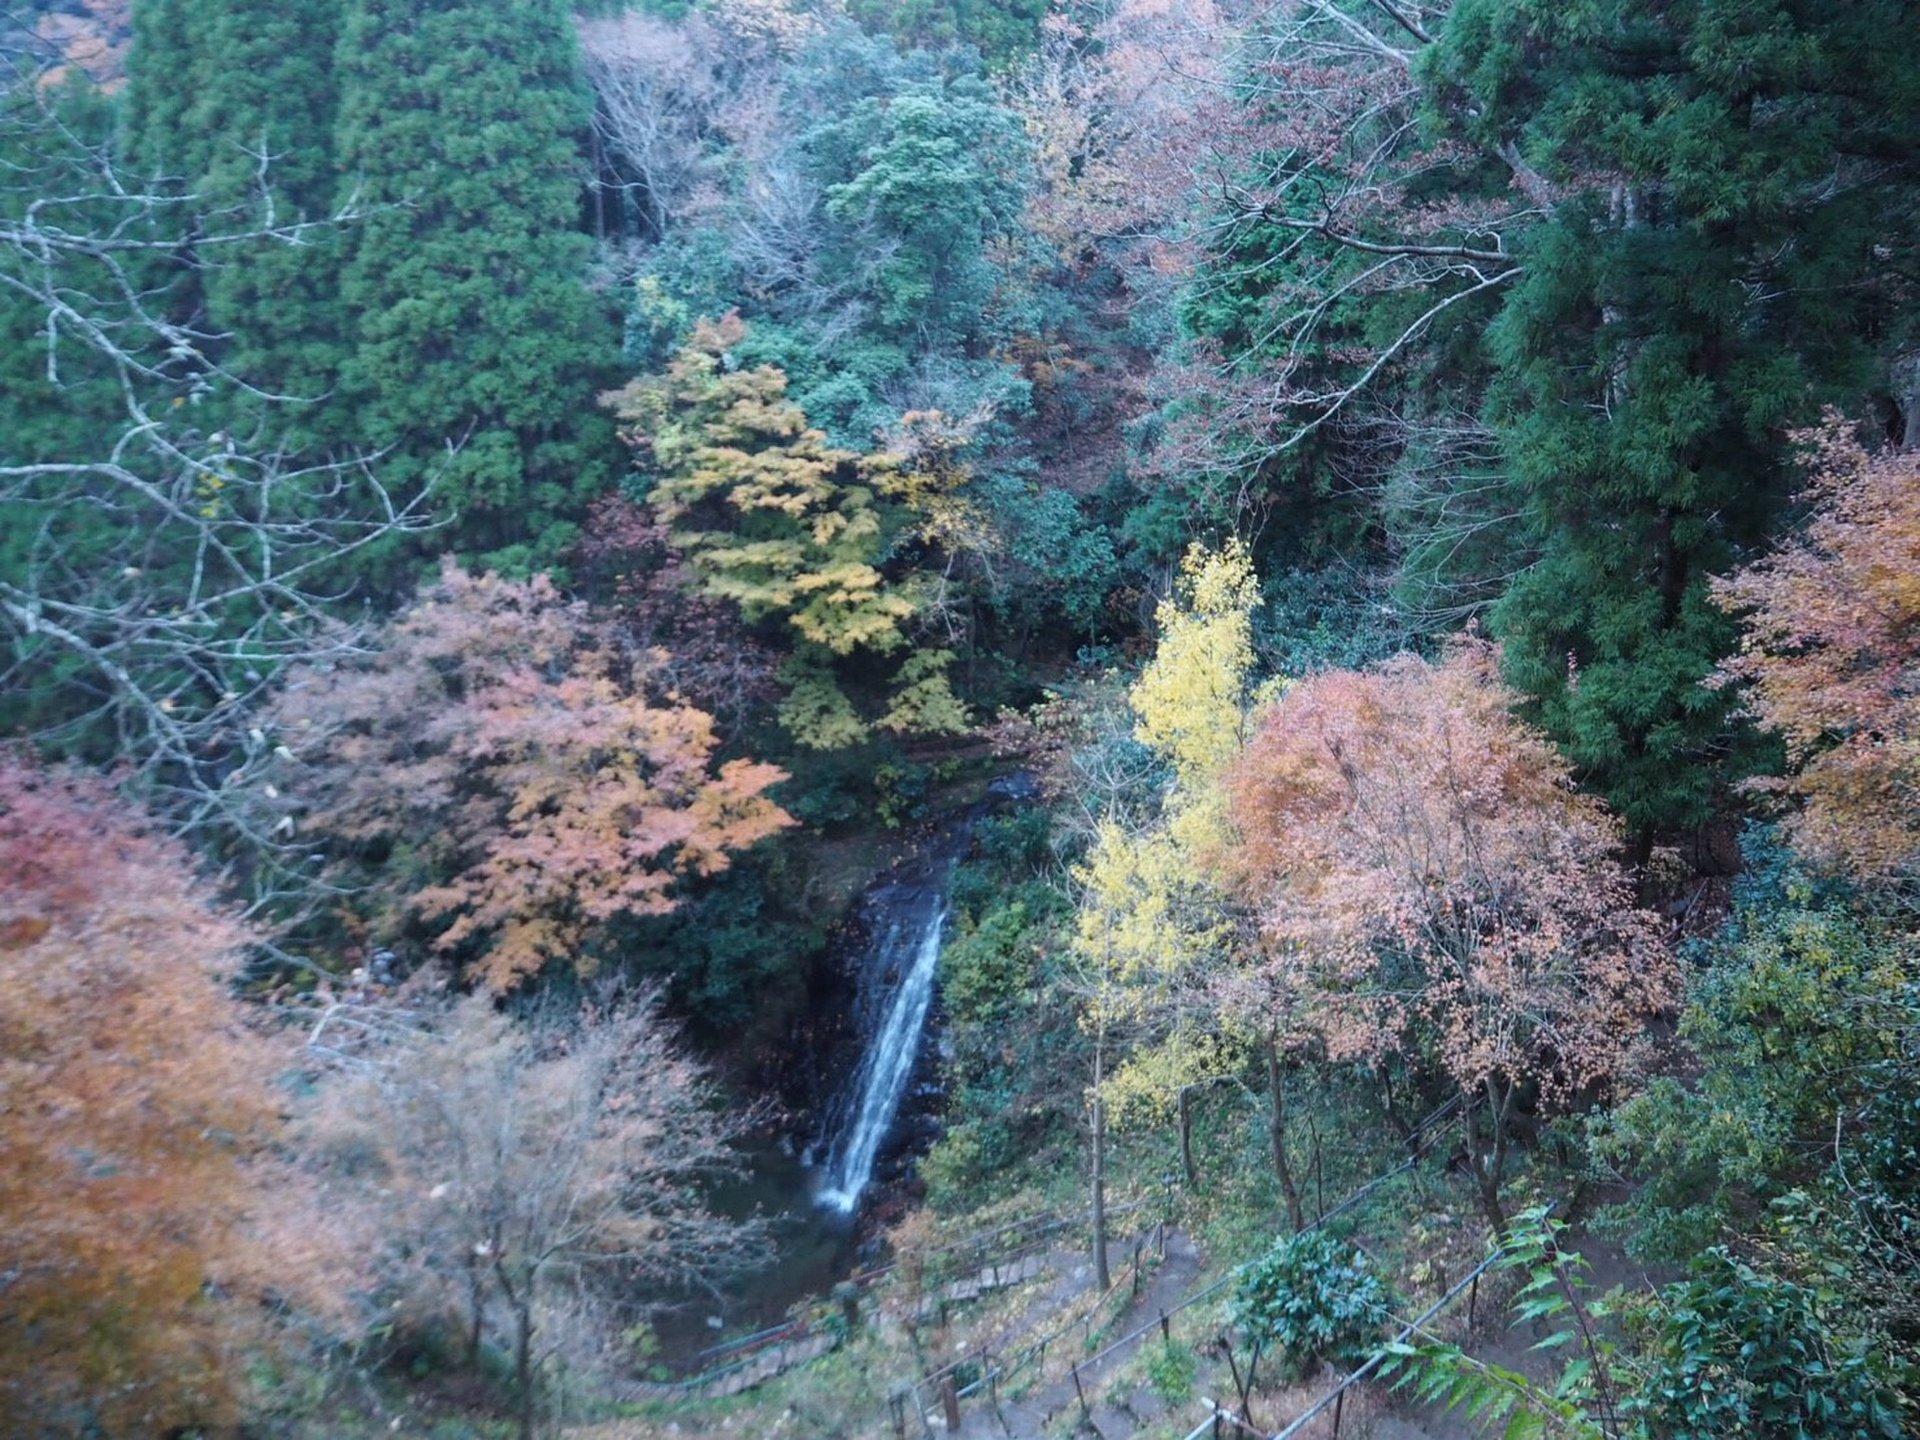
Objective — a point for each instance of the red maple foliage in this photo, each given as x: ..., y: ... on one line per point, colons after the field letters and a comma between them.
x: 144, y: 1226
x: 1831, y: 656
x: 1428, y: 882
x: 546, y: 788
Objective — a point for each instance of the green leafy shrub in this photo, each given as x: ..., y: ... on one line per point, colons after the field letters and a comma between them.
x: 955, y: 1166
x: 1796, y: 1016
x: 900, y: 792
x: 1738, y: 1352
x: 1315, y: 1300
x: 1017, y: 843
x: 991, y: 967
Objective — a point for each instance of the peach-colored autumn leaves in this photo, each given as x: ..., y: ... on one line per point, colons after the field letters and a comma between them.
x: 1831, y: 657
x: 1423, y: 875
x: 542, y: 787
x: 136, y: 1118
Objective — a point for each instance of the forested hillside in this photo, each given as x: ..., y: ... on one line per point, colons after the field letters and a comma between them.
x: 831, y: 718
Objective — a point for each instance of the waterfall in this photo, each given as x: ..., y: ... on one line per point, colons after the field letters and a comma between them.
x: 908, y: 923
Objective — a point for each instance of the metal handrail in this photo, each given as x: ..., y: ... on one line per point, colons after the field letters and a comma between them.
x: 1421, y: 1138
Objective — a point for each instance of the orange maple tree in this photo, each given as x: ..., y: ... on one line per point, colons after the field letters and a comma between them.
x: 1831, y: 656
x: 139, y: 1243
x: 1431, y: 886
x: 546, y: 789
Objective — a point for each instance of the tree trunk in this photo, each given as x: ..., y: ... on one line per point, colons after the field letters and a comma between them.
x: 520, y: 1302
x: 1394, y: 1117
x: 1277, y: 1133
x: 1100, y: 1173
x: 476, y: 1301
x: 1186, y: 1136
x: 523, y: 1367
x: 599, y: 166
x: 1489, y: 1162
x: 1904, y: 378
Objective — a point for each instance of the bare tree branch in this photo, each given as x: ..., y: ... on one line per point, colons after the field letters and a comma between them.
x: 167, y: 568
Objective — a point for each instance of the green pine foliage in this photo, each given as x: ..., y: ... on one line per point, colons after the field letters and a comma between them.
x: 446, y: 325
x: 59, y: 398
x: 56, y: 397
x: 231, y: 106
x: 476, y: 347
x: 268, y: 108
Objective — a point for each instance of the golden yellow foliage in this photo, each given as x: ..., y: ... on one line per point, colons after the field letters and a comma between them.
x: 794, y: 531
x: 1191, y: 700
x: 1153, y: 928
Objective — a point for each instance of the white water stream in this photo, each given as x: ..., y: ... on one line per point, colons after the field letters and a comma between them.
x: 908, y: 946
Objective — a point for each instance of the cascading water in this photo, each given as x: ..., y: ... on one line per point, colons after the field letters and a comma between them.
x: 867, y: 1053
x: 907, y: 922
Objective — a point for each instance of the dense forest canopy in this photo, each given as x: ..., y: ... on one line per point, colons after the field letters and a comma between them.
x: 513, y: 514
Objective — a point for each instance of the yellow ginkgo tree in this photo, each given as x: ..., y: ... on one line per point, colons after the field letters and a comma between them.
x: 1155, y: 936
x: 792, y: 531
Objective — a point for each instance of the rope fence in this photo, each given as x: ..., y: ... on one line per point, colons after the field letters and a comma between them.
x: 1000, y: 1372
x: 1036, y: 1234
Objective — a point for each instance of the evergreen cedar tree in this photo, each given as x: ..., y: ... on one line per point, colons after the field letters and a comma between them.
x: 1619, y: 249
x: 525, y: 785
x: 1736, y: 272
x: 449, y: 326
x: 1830, y: 658
x: 1427, y: 881
x: 460, y: 120
x: 1001, y: 29
x: 235, y: 105
x: 147, y: 1232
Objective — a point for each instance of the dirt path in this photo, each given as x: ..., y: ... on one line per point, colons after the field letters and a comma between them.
x: 1499, y: 1342
x: 1055, y: 1408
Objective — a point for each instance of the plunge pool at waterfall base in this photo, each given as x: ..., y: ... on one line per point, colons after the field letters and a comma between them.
x: 815, y: 1246
x: 814, y: 1249
x: 876, y: 1106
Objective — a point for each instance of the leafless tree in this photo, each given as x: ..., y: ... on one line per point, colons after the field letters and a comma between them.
x: 657, y: 88
x: 533, y: 1174
x: 157, y: 580
x: 1329, y: 146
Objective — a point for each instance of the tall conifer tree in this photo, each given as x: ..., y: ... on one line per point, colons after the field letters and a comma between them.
x: 1739, y: 269
x: 460, y: 122
x: 232, y: 102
